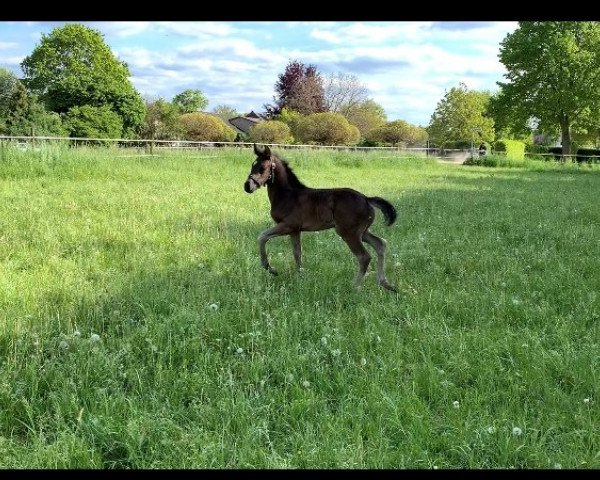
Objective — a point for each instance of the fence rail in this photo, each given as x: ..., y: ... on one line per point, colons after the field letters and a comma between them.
x: 442, y: 153
x: 189, y: 144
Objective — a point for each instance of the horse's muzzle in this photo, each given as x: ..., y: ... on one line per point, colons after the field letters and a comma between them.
x: 250, y: 185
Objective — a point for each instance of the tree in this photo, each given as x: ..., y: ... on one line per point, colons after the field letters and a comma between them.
x: 89, y: 121
x: 460, y: 118
x: 366, y: 116
x: 190, y: 101
x: 204, y: 127
x: 20, y: 111
x: 343, y: 92
x: 271, y: 131
x: 553, y: 74
x: 8, y: 82
x: 72, y: 66
x: 162, y: 121
x: 225, y: 112
x: 299, y: 88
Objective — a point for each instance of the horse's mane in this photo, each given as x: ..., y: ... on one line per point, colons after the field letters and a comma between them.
x: 293, y: 180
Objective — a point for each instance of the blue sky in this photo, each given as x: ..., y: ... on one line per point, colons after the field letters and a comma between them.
x: 406, y: 66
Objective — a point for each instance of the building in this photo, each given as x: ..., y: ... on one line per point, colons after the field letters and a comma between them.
x: 243, y: 124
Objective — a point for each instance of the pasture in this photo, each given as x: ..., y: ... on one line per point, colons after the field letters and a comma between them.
x: 138, y: 330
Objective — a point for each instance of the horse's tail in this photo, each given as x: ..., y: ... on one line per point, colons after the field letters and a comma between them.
x: 388, y: 210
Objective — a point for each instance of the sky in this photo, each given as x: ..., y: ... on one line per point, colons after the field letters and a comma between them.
x: 407, y: 67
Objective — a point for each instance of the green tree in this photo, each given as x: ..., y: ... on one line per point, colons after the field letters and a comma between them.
x: 89, y: 121
x: 190, y: 101
x: 8, y: 82
x: 460, y: 118
x: 72, y: 66
x: 553, y: 74
x: 199, y: 126
x: 20, y: 111
x: 366, y: 116
x: 271, y: 131
x: 225, y: 112
x: 162, y: 121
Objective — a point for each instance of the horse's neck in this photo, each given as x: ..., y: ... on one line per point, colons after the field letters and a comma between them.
x: 280, y: 179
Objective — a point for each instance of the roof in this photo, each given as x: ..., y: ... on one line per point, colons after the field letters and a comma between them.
x: 244, y: 123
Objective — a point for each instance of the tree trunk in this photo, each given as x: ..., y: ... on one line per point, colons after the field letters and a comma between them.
x: 565, y: 130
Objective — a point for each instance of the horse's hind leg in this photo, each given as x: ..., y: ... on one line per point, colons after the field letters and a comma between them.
x: 353, y: 240
x: 297, y: 247
x: 379, y: 245
x: 277, y: 231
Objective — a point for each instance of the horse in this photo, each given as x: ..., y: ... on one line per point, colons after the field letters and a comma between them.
x: 296, y: 208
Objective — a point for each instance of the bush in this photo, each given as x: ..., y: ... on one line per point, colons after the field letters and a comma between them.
x: 589, y: 155
x: 272, y: 131
x: 203, y: 127
x: 327, y: 128
x: 513, y: 149
x: 535, y: 149
x: 494, y: 161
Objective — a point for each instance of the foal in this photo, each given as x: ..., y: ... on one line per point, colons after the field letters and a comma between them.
x: 297, y: 208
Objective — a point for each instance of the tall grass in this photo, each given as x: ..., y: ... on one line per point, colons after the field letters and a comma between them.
x: 137, y: 329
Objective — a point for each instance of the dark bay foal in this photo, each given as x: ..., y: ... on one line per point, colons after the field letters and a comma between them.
x: 297, y: 208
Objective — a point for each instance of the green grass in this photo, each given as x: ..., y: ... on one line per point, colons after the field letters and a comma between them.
x: 137, y: 329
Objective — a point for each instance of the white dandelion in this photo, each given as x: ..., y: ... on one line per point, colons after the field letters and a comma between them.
x: 456, y: 404
x: 213, y: 306
x: 306, y: 384
x: 94, y: 337
x: 517, y: 431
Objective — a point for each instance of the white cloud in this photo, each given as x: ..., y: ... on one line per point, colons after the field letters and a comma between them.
x: 196, y: 29
x: 325, y: 35
x: 121, y: 29
x: 11, y: 61
x: 8, y: 45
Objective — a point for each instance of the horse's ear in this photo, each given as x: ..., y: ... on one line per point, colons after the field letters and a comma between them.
x: 267, y: 152
x: 256, y: 150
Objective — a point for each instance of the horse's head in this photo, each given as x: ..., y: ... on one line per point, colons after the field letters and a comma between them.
x: 262, y: 170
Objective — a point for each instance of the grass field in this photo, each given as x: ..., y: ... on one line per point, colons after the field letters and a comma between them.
x: 137, y: 329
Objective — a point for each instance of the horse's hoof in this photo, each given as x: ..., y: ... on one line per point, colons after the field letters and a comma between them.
x: 272, y: 271
x: 389, y: 287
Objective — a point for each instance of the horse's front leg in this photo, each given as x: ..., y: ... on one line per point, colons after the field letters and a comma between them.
x: 297, y: 248
x: 277, y: 231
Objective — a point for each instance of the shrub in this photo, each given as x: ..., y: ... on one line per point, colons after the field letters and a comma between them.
x: 590, y: 155
x: 200, y: 127
x: 327, y: 128
x: 272, y: 131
